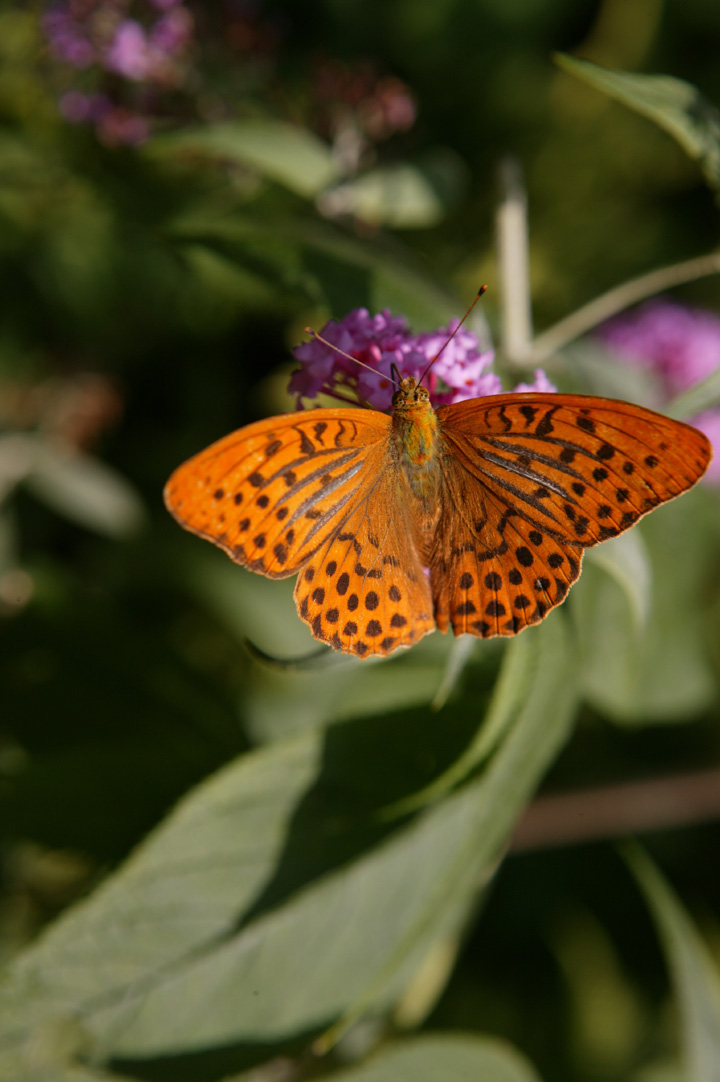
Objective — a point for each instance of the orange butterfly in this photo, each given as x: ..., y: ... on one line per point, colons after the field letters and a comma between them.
x: 474, y: 515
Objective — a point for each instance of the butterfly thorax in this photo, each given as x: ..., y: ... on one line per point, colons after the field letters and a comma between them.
x: 416, y: 440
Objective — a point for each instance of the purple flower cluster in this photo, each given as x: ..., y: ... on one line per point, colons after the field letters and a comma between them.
x: 382, y: 340
x: 356, y: 95
x: 103, y: 37
x: 680, y: 345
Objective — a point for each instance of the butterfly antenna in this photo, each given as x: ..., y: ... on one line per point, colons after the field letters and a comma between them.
x: 448, y: 340
x: 336, y: 349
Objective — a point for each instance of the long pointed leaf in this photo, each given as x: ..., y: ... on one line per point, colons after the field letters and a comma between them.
x: 695, y: 974
x: 673, y: 104
x: 442, y: 1058
x: 158, y: 961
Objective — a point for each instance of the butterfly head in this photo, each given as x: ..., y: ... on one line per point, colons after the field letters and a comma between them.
x: 410, y: 395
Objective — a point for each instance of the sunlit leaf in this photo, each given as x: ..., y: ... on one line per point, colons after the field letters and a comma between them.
x: 662, y: 671
x: 290, y: 155
x: 174, y: 953
x: 397, y: 196
x: 627, y: 560
x: 695, y: 974
x: 673, y: 104
x: 185, y: 887
x: 78, y: 486
x: 443, y: 1057
x: 86, y: 490
x: 350, y: 270
x: 50, y: 1055
x: 703, y: 396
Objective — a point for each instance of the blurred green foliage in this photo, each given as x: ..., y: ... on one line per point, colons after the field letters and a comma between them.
x: 150, y: 296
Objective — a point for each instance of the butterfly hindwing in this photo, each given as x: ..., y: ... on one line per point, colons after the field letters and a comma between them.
x: 271, y: 494
x: 366, y: 592
x: 493, y: 571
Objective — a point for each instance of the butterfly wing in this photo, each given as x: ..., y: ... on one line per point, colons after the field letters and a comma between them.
x: 366, y: 592
x: 530, y: 480
x: 316, y: 492
x: 273, y: 493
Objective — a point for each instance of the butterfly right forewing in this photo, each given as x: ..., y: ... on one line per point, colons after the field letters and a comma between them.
x: 535, y: 479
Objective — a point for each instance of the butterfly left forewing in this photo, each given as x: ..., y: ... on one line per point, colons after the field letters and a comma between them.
x: 271, y: 494
x: 539, y: 478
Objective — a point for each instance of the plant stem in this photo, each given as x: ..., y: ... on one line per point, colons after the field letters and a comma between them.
x: 617, y: 300
x: 619, y: 810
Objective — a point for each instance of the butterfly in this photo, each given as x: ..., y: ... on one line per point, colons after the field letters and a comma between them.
x: 472, y: 516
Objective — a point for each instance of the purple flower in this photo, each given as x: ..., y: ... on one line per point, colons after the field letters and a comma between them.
x: 171, y: 33
x: 147, y: 49
x: 128, y: 53
x: 680, y: 345
x: 375, y: 340
x: 98, y: 33
x: 81, y: 108
x: 461, y: 371
x: 540, y: 383
x: 121, y: 126
x: 67, y: 37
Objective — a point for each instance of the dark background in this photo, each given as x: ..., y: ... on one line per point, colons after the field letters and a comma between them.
x: 123, y: 674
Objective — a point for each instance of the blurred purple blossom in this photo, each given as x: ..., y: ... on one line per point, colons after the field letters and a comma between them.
x: 388, y: 108
x: 356, y: 108
x: 81, y: 108
x: 540, y: 383
x: 680, y: 345
x: 67, y: 36
x: 140, y: 42
x: 172, y: 32
x: 128, y: 53
x: 122, y: 126
x: 461, y: 371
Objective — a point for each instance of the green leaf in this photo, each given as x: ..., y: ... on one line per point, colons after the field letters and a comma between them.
x: 284, y: 153
x: 673, y: 104
x: 661, y: 672
x: 82, y: 488
x: 349, y: 271
x: 589, y: 368
x: 513, y: 686
x: 282, y: 702
x: 50, y: 1054
x: 694, y: 972
x: 396, y: 196
x: 450, y: 1057
x: 16, y: 1069
x: 185, y: 886
x: 627, y: 561
x: 178, y: 951
x: 703, y: 396
x: 663, y: 1070
x: 460, y: 652
x: 86, y: 490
